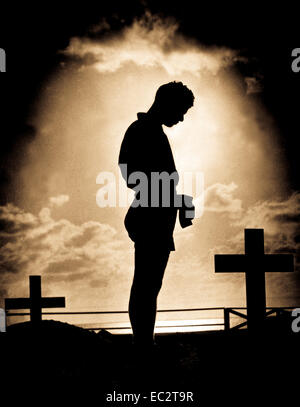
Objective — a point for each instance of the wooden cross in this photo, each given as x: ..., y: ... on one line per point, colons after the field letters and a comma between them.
x: 35, y: 302
x: 254, y: 263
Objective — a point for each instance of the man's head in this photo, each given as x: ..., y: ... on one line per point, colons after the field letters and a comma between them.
x: 172, y: 101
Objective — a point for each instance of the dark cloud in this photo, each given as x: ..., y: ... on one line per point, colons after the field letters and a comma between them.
x: 288, y: 218
x: 67, y: 266
x: 14, y: 219
x: 13, y: 152
x: 279, y: 219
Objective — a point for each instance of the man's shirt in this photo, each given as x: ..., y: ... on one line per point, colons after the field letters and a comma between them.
x: 146, y: 149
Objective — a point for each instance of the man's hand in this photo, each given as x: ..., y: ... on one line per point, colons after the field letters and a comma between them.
x: 187, y: 211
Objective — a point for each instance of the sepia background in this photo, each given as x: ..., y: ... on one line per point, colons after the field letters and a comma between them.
x: 73, y: 87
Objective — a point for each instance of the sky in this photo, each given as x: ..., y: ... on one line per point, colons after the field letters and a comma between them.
x: 71, y: 129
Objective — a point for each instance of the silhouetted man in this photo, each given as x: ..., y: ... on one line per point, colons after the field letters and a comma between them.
x: 145, y: 154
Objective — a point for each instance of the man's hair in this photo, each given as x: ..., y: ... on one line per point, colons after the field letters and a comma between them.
x: 175, y: 93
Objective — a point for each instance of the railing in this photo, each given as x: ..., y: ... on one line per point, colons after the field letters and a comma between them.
x: 225, y: 325
x: 269, y: 311
x: 96, y: 328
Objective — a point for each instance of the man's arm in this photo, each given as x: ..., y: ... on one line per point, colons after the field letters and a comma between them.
x: 130, y: 153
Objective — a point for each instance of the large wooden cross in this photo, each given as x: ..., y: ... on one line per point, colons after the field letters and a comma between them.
x: 35, y: 302
x: 254, y: 263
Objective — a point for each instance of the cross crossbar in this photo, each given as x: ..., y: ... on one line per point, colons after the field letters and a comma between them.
x: 35, y: 302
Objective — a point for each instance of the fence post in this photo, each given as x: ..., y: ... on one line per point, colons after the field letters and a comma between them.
x: 2, y: 320
x: 2, y: 60
x: 226, y: 319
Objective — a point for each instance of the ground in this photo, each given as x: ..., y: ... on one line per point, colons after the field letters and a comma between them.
x: 212, y: 365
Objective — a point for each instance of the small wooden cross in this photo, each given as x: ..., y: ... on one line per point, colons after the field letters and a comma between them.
x: 35, y: 302
x: 254, y: 263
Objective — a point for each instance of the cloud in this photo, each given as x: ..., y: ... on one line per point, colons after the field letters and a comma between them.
x: 218, y: 198
x: 59, y: 200
x: 102, y: 26
x: 18, y: 138
x: 83, y: 260
x: 280, y: 219
x: 58, y: 249
x: 254, y: 84
x: 149, y: 42
x: 14, y: 220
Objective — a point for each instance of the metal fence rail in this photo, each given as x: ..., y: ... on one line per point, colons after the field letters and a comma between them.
x: 97, y: 328
x: 225, y: 325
